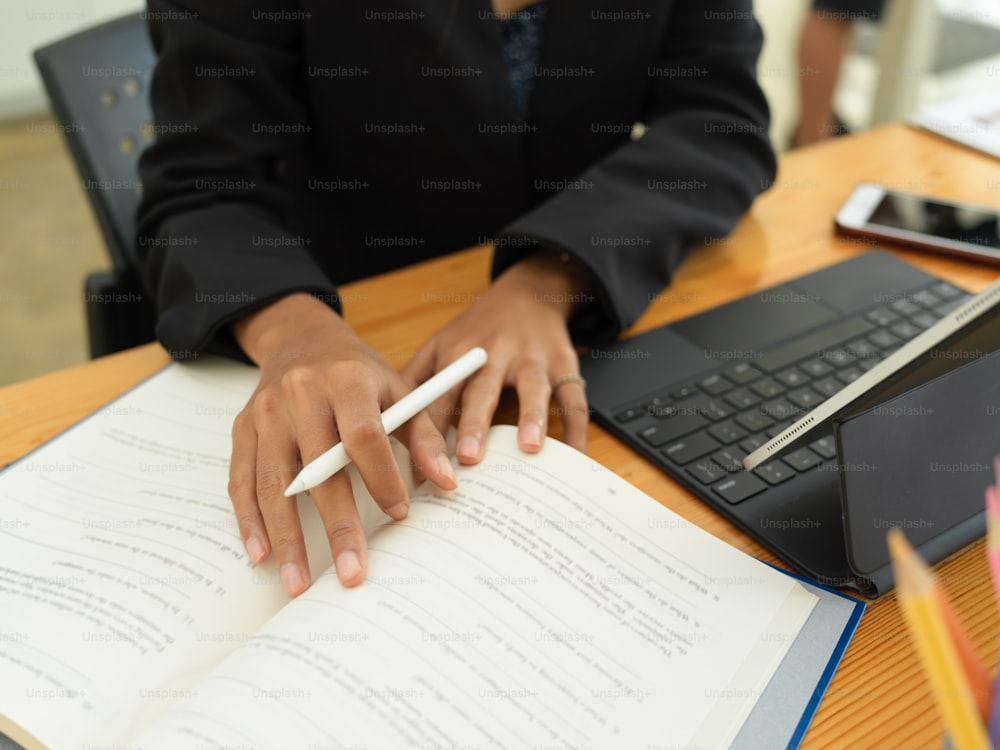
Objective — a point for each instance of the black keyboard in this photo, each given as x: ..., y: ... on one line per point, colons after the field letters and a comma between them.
x: 706, y: 426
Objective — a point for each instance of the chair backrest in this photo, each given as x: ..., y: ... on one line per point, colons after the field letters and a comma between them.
x: 98, y: 84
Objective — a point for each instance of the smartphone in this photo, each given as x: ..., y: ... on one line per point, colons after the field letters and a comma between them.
x: 923, y: 222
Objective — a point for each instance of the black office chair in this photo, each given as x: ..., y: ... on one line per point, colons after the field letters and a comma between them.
x: 98, y: 85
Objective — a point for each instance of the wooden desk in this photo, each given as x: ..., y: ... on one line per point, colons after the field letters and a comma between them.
x: 878, y: 698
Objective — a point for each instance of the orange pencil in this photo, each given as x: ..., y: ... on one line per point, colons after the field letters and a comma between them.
x: 993, y: 537
x: 973, y: 667
x: 915, y: 586
x: 993, y: 557
x: 975, y: 671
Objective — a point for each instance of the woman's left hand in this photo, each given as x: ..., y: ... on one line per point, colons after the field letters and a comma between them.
x: 521, y: 322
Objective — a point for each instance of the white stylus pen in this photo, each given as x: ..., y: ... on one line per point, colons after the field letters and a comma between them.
x: 425, y: 394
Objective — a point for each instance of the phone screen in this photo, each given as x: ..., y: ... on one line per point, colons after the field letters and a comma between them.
x: 958, y: 223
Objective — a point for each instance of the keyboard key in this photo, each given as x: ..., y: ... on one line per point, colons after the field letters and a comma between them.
x: 807, y: 398
x: 670, y: 429
x: 752, y: 443
x: 904, y: 307
x: 924, y: 319
x: 779, y: 409
x: 792, y: 378
x: 850, y: 374
x: 715, y: 384
x: 739, y: 487
x: 689, y: 407
x: 883, y: 339
x: 904, y: 329
x: 742, y: 373
x: 946, y: 291
x: 778, y: 428
x: 868, y: 364
x: 727, y: 432
x: 662, y: 412
x: 946, y: 307
x: 685, y: 391
x: 693, y: 446
x: 729, y: 459
x: 816, y: 368
x: 862, y: 349
x: 802, y: 460
x: 925, y: 298
x: 629, y: 414
x: 838, y: 357
x: 741, y: 398
x: 706, y: 471
x: 657, y: 401
x: 660, y: 407
x: 775, y: 472
x: 828, y: 386
x: 825, y: 446
x: 882, y: 316
x: 716, y: 410
x: 754, y: 421
x: 808, y: 345
x: 654, y: 437
x: 767, y: 388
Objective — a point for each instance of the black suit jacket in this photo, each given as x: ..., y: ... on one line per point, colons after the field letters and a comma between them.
x: 305, y: 144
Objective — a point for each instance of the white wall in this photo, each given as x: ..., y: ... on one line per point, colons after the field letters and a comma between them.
x: 26, y: 25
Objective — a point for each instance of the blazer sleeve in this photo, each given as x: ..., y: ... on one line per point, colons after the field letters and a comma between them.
x: 703, y: 159
x: 213, y: 238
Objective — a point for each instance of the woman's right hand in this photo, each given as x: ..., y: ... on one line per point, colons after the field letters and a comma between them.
x: 319, y: 384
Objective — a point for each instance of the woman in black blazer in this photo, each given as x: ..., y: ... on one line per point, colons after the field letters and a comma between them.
x: 305, y: 144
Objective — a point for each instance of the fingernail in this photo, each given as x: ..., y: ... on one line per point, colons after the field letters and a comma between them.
x: 468, y: 447
x: 398, y: 512
x: 348, y: 566
x: 531, y: 435
x: 256, y: 548
x: 445, y: 467
x: 293, y: 579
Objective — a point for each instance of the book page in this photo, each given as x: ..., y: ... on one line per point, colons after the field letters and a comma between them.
x: 973, y: 120
x: 545, y: 603
x: 122, y: 574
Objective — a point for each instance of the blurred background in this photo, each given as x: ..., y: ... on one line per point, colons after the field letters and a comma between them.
x: 936, y: 49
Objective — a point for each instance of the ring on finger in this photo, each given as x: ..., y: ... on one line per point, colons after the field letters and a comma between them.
x: 568, y: 378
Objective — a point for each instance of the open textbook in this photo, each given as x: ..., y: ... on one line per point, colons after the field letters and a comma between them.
x: 544, y: 603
